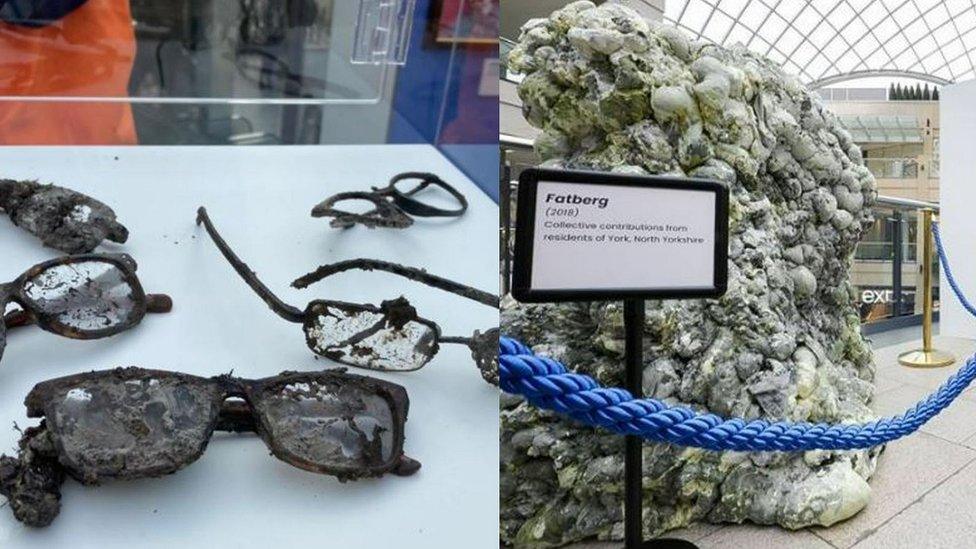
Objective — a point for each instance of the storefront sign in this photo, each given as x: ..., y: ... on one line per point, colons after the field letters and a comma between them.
x: 587, y: 236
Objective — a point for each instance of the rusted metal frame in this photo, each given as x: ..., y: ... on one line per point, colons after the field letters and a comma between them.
x: 458, y: 340
x: 282, y: 309
x: 412, y: 206
x: 392, y: 208
x: 411, y: 273
x: 396, y: 312
x: 484, y: 351
x: 384, y: 214
x: 481, y: 345
x: 393, y: 312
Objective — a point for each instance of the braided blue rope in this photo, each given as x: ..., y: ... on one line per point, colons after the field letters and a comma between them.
x: 546, y: 384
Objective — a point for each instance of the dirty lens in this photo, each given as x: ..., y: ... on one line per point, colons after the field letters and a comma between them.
x: 330, y: 423
x: 146, y: 425
x: 370, y: 339
x: 86, y: 296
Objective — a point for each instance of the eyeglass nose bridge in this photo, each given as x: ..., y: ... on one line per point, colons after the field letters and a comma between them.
x: 236, y: 416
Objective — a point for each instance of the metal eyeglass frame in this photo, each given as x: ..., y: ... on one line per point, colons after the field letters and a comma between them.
x: 398, y: 309
x: 392, y: 208
x: 483, y: 345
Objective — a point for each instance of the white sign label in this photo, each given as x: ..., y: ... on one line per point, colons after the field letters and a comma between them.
x: 607, y: 237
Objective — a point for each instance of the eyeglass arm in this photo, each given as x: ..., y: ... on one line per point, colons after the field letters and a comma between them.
x: 282, y: 309
x: 459, y: 340
x: 412, y: 273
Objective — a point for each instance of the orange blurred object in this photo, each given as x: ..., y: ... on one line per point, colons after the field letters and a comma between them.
x: 87, y: 53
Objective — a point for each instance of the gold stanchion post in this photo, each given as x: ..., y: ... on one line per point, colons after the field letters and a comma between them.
x: 926, y: 357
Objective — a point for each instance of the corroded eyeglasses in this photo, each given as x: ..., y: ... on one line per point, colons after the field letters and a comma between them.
x: 389, y: 337
x: 131, y: 423
x: 63, y: 219
x: 395, y: 205
x: 80, y: 297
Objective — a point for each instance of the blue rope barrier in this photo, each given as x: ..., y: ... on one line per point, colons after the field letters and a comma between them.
x: 546, y: 384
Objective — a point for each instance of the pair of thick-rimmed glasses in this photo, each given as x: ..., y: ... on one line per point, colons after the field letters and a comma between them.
x: 133, y: 423
x: 395, y: 205
x: 87, y: 296
x: 390, y: 337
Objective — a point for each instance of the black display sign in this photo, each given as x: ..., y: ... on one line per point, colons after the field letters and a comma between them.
x: 584, y: 236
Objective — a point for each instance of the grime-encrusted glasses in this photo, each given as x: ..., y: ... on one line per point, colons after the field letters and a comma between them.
x: 391, y: 336
x: 133, y: 423
x: 393, y: 205
x: 63, y: 219
x: 81, y: 297
x: 483, y: 345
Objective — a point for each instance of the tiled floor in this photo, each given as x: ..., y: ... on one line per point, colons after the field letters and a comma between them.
x: 924, y: 491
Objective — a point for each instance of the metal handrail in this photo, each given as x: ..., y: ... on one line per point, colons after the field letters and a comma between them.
x: 910, y: 158
x: 515, y: 142
x: 906, y: 203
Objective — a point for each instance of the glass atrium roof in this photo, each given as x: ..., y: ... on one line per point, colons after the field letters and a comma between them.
x: 825, y: 42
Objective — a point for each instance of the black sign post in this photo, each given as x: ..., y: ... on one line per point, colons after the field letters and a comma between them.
x: 587, y: 236
x: 633, y: 456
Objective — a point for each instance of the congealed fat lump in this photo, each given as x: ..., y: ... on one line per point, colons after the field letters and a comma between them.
x: 613, y: 92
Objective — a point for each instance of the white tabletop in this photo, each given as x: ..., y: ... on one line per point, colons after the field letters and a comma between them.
x: 260, y: 198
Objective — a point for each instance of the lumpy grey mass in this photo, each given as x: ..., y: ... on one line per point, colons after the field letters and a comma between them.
x: 613, y: 92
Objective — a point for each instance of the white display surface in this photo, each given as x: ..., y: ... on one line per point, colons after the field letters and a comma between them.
x: 609, y: 237
x: 957, y: 108
x: 237, y: 495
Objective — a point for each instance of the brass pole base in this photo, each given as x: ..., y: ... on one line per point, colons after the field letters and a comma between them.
x: 921, y: 358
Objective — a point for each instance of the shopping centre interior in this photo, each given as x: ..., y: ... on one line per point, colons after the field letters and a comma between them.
x: 880, y: 66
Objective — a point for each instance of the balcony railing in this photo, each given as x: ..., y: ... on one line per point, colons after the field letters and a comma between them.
x: 893, y: 168
x: 876, y: 250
